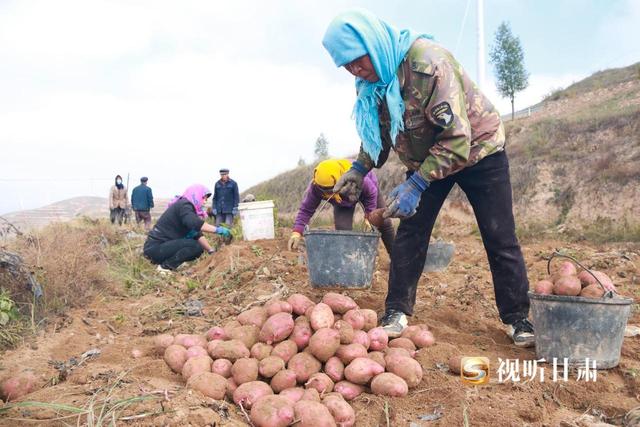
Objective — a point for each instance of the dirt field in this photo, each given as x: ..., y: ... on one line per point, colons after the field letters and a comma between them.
x: 458, y: 305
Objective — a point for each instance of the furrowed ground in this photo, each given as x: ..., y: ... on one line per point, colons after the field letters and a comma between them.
x: 458, y: 306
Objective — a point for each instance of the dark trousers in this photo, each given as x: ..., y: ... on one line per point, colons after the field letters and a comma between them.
x: 343, y: 220
x: 488, y: 188
x: 172, y: 253
x: 117, y: 214
x: 144, y: 216
x: 224, y: 218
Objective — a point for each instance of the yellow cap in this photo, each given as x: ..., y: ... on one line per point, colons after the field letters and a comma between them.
x: 329, y: 171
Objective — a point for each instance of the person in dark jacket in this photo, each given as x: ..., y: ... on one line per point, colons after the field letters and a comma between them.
x: 142, y: 202
x: 225, y: 199
x: 177, y: 236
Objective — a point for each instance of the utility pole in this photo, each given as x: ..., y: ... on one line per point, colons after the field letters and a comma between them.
x: 480, y: 29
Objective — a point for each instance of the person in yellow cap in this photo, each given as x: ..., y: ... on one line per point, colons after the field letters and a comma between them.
x: 325, y: 176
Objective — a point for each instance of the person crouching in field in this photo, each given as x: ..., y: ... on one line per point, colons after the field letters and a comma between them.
x: 325, y: 176
x: 177, y: 235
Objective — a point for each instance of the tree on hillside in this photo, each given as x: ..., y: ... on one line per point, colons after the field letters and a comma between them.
x: 507, y: 58
x: 322, y: 148
x: 301, y: 162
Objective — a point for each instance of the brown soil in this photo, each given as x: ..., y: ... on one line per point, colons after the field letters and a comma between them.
x: 458, y: 305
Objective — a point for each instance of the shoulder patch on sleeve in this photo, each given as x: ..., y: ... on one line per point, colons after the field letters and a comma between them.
x: 442, y: 114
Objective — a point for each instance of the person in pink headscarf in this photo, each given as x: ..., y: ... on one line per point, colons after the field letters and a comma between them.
x: 177, y: 236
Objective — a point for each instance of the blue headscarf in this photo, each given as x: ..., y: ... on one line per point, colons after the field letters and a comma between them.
x: 357, y: 33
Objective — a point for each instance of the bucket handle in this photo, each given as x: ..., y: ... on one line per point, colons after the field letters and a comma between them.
x: 322, y: 206
x: 607, y: 293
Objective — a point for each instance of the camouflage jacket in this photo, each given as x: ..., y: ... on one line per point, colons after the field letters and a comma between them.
x: 448, y: 123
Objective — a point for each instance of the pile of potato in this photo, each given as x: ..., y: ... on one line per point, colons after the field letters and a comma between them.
x: 298, y: 360
x: 567, y: 281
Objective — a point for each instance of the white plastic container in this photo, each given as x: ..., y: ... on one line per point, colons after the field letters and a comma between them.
x: 257, y: 220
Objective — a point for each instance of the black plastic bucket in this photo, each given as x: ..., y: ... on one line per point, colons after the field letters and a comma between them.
x: 577, y: 328
x: 341, y: 259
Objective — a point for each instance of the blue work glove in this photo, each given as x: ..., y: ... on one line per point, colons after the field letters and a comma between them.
x: 234, y: 211
x: 214, y: 211
x: 404, y: 199
x: 223, y: 231
x: 349, y: 185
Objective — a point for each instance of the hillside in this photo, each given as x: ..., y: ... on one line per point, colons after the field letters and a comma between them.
x: 65, y: 210
x: 573, y: 162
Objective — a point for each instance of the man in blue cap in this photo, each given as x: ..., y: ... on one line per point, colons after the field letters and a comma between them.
x: 142, y: 202
x: 226, y: 198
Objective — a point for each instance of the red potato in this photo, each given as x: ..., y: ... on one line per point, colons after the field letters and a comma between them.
x: 339, y: 304
x: 175, y: 356
x: 405, y: 343
x: 334, y: 368
x: 349, y: 352
x: 254, y: 316
x: 592, y: 291
x: 361, y: 337
x: 409, y: 331
x: 161, y: 342
x: 397, y: 351
x: 565, y: 268
x: 196, y: 350
x: 272, y: 411
x: 301, y: 332
x: 232, y: 350
x: 355, y: 318
x: 195, y: 365
x: 606, y: 280
x: 455, y: 363
x: 378, y: 338
x: 210, y: 384
x: 343, y: 414
x: 586, y: 278
x: 216, y: 333
x: 543, y: 287
x: 423, y: 339
x: 321, y: 382
x: 361, y: 370
x: 231, y: 388
x: 294, y: 394
x: 311, y: 394
x: 222, y: 367
x: 304, y: 365
x: 389, y: 384
x: 245, y: 370
x: 190, y: 340
x: 269, y: 366
x: 248, y: 393
x: 283, y: 380
x: 370, y: 319
x: 348, y: 390
x: 247, y: 334
x: 136, y: 353
x: 300, y: 303
x: 278, y: 306
x: 408, y: 369
x: 321, y: 316
x: 277, y: 328
x: 345, y: 330
x: 567, y: 285
x: 313, y: 414
x: 261, y: 350
x: 307, y: 313
x: 324, y: 343
x: 18, y: 385
x: 285, y: 350
x: 230, y: 326
x: 378, y: 357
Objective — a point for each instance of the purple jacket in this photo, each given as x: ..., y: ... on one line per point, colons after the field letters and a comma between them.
x: 313, y: 196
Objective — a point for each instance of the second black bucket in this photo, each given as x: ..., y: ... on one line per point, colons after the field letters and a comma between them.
x: 577, y: 328
x: 341, y: 259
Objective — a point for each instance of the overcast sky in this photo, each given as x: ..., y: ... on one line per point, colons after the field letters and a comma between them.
x: 175, y: 90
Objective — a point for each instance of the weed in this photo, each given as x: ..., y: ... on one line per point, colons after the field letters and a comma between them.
x: 257, y: 250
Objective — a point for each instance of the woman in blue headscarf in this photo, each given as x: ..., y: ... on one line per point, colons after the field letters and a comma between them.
x: 415, y: 98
